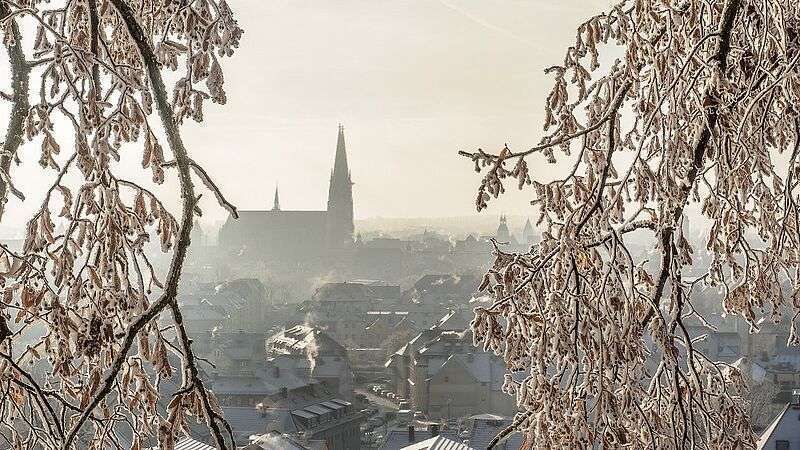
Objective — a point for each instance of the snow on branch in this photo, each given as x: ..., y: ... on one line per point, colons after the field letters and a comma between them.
x: 84, y: 274
x: 694, y: 115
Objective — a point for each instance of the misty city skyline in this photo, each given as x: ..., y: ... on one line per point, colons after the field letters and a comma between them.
x: 412, y: 84
x: 360, y: 225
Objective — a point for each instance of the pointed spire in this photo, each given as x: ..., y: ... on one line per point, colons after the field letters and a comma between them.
x: 276, y: 205
x: 528, y: 227
x: 340, y: 198
x: 340, y: 168
x: 528, y: 233
x: 503, y: 235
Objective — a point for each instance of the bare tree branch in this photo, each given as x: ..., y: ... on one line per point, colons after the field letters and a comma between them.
x: 19, y: 108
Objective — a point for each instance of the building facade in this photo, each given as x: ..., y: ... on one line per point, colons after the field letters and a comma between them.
x: 325, y: 358
x: 446, y: 377
x: 284, y: 235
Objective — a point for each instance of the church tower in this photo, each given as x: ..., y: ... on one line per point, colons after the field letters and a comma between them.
x: 276, y: 202
x: 503, y: 235
x: 340, y: 199
x: 528, y: 235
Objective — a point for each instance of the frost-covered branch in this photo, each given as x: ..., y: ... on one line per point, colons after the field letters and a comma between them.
x: 692, y: 116
x: 84, y: 274
x: 19, y: 107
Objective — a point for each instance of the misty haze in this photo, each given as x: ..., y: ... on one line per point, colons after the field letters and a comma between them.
x: 444, y: 224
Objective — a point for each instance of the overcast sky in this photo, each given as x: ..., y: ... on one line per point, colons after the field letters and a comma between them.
x: 412, y: 82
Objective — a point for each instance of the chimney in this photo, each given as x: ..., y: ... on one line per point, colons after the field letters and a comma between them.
x: 411, y: 433
x: 434, y: 429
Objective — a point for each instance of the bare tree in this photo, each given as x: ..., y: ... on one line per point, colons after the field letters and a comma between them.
x: 83, y: 291
x: 697, y: 116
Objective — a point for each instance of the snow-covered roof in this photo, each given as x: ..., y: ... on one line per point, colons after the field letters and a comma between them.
x: 438, y: 443
x: 751, y: 369
x: 189, y: 444
x: 485, y: 427
x: 783, y: 428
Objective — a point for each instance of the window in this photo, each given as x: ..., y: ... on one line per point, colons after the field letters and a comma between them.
x: 782, y: 445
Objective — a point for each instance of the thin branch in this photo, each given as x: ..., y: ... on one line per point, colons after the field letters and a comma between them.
x: 210, y: 185
x: 613, y: 107
x: 19, y: 109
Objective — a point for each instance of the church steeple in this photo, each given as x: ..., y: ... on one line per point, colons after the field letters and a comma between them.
x: 528, y: 235
x: 340, y: 198
x: 340, y: 163
x: 276, y: 203
x: 503, y: 235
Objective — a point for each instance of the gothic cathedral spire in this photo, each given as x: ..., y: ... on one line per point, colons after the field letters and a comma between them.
x: 503, y: 235
x: 340, y: 199
x: 276, y: 203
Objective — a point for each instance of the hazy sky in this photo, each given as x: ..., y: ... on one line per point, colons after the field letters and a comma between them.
x: 412, y: 81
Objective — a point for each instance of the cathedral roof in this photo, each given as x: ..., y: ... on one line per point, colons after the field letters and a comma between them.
x: 277, y: 232
x: 282, y: 212
x: 260, y: 218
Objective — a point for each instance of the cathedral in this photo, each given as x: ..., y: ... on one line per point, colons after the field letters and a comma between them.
x: 294, y: 235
